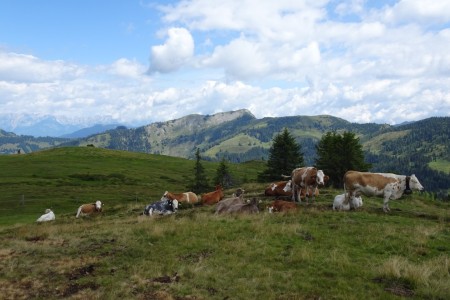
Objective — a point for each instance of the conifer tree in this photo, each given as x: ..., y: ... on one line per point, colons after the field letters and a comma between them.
x: 336, y: 154
x: 200, y: 183
x: 223, y: 176
x: 284, y: 156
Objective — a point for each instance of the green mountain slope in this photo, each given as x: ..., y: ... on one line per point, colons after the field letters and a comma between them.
x: 420, y: 147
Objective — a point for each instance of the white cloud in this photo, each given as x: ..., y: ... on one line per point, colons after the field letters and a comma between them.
x: 127, y: 68
x: 174, y: 53
x: 28, y: 68
x: 389, y: 64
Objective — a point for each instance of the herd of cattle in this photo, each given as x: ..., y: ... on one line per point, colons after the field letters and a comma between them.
x: 303, y: 184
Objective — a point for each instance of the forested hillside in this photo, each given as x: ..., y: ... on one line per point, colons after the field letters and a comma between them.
x: 420, y: 147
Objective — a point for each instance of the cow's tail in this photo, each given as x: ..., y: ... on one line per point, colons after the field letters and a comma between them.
x: 79, y: 211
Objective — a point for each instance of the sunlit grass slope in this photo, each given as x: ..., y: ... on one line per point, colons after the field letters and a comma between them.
x: 315, y: 253
x: 64, y: 178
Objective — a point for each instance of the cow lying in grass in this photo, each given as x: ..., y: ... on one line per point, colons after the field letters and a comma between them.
x: 88, y: 209
x: 282, y: 206
x: 48, y: 216
x: 244, y: 208
x: 339, y: 202
x: 187, y: 197
x: 224, y: 204
x: 213, y: 197
x: 163, y: 207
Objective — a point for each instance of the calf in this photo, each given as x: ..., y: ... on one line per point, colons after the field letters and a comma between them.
x: 48, y: 216
x: 385, y: 185
x: 163, y: 207
x: 282, y: 206
x: 338, y: 203
x: 87, y: 209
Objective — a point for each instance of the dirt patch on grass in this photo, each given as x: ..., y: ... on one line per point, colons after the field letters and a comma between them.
x: 197, y: 256
x: 73, y: 288
x: 395, y: 287
x: 81, y: 272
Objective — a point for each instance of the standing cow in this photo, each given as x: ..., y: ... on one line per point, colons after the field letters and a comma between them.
x: 307, y: 179
x: 386, y: 185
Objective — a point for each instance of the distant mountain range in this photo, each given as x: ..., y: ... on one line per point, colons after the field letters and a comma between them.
x: 46, y: 125
x: 420, y: 147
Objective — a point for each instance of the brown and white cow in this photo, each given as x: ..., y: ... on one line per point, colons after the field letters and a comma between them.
x: 188, y: 197
x: 282, y: 206
x: 213, y: 197
x: 386, y: 185
x: 87, y: 209
x: 308, y: 179
x: 280, y: 188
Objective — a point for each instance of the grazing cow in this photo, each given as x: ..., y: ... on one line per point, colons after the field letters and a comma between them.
x: 163, y: 207
x: 213, y: 197
x: 307, y: 178
x: 48, y: 216
x: 387, y: 185
x: 188, y: 197
x: 87, y: 209
x: 280, y: 188
x: 244, y: 208
x: 282, y: 206
x: 338, y: 203
x: 224, y: 204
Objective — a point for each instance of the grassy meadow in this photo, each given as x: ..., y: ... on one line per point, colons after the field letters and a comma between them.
x: 315, y: 253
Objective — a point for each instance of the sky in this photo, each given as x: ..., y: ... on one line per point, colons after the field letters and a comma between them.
x: 140, y: 61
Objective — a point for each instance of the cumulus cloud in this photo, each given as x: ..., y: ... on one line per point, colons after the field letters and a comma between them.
x: 174, y: 53
x: 387, y: 63
x: 28, y: 68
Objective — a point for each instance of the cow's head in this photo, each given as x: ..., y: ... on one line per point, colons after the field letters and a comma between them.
x: 320, y: 179
x: 98, y: 205
x: 288, y: 186
x: 414, y: 183
x: 175, y: 205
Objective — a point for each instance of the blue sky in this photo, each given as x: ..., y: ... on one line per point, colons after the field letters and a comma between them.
x: 138, y: 62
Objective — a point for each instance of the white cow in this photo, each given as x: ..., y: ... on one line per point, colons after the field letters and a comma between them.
x: 48, y: 216
x: 338, y: 203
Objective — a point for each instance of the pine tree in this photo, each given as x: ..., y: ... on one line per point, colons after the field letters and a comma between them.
x: 336, y: 154
x: 284, y: 156
x: 223, y: 176
x: 200, y: 183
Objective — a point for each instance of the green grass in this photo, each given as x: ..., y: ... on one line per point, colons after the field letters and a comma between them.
x: 194, y: 254
x: 440, y: 165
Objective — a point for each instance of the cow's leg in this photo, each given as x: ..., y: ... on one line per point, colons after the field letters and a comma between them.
x: 299, y: 194
x: 386, y: 203
x: 294, y: 191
